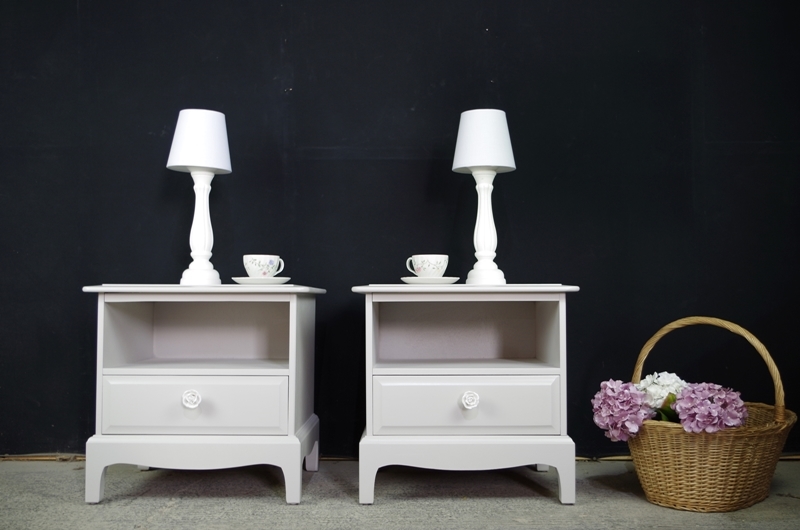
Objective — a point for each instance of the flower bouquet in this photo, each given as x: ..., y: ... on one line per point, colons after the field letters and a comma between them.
x: 621, y: 408
x: 696, y: 446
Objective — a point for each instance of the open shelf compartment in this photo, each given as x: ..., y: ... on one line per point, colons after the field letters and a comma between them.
x: 482, y: 337
x: 205, y: 337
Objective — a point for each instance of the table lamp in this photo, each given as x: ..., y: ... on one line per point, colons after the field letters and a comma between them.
x: 483, y: 148
x: 200, y: 147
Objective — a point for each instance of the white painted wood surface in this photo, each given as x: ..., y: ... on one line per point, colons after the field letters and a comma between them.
x: 171, y: 288
x: 230, y: 405
x: 433, y: 405
x: 248, y: 351
x: 428, y: 344
x: 466, y: 453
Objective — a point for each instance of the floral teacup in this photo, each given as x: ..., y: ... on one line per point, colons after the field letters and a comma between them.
x: 262, y: 265
x: 427, y: 265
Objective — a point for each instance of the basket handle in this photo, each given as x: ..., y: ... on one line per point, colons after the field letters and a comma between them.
x: 780, y: 407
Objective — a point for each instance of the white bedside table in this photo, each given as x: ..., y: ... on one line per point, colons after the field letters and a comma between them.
x: 466, y: 377
x: 204, y: 378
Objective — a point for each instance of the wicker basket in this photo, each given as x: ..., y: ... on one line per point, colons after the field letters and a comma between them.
x: 720, y: 472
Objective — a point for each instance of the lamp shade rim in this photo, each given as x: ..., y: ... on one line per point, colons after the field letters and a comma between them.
x: 467, y: 170
x: 195, y: 167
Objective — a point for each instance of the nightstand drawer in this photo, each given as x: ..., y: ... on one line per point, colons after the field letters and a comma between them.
x: 195, y: 405
x: 440, y: 405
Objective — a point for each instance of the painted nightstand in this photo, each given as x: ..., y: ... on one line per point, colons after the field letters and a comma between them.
x: 466, y: 377
x: 204, y: 378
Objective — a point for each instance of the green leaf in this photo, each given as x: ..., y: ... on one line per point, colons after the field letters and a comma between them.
x: 665, y: 413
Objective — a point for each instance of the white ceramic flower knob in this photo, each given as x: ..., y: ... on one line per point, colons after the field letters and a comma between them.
x: 191, y: 399
x: 470, y: 399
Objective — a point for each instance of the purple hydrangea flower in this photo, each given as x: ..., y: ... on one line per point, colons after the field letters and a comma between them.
x: 709, y: 407
x: 620, y: 409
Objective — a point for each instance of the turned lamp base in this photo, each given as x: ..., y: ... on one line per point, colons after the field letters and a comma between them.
x: 200, y: 277
x: 486, y: 277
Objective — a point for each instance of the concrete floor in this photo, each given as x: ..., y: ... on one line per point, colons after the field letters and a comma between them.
x: 45, y: 495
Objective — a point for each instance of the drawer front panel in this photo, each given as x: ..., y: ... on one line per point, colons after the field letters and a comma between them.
x: 228, y: 405
x: 433, y: 405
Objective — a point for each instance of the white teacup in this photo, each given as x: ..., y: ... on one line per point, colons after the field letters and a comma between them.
x: 262, y: 265
x: 427, y: 265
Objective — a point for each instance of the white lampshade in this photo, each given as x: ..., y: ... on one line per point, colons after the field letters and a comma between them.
x: 483, y: 141
x: 200, y: 142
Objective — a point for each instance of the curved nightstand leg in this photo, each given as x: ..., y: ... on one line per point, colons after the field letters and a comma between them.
x: 566, y: 483
x: 366, y: 481
x: 312, y: 458
x: 293, y: 477
x: 95, y: 481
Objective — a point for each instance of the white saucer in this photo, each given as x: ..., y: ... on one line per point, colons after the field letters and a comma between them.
x: 269, y: 280
x: 429, y: 281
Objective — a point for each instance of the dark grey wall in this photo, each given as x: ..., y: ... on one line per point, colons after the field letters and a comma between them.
x: 656, y: 146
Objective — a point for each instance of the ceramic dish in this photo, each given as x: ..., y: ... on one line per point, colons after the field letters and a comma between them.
x: 429, y: 281
x: 270, y: 280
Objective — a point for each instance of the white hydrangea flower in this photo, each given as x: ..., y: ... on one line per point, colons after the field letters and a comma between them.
x: 658, y: 386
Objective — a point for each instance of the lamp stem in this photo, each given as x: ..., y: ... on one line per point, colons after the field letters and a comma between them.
x: 485, y: 271
x: 201, y: 238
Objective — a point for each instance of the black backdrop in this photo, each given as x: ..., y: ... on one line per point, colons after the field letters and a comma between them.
x: 657, y: 168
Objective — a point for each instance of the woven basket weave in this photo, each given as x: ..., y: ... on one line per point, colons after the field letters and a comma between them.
x: 720, y: 472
